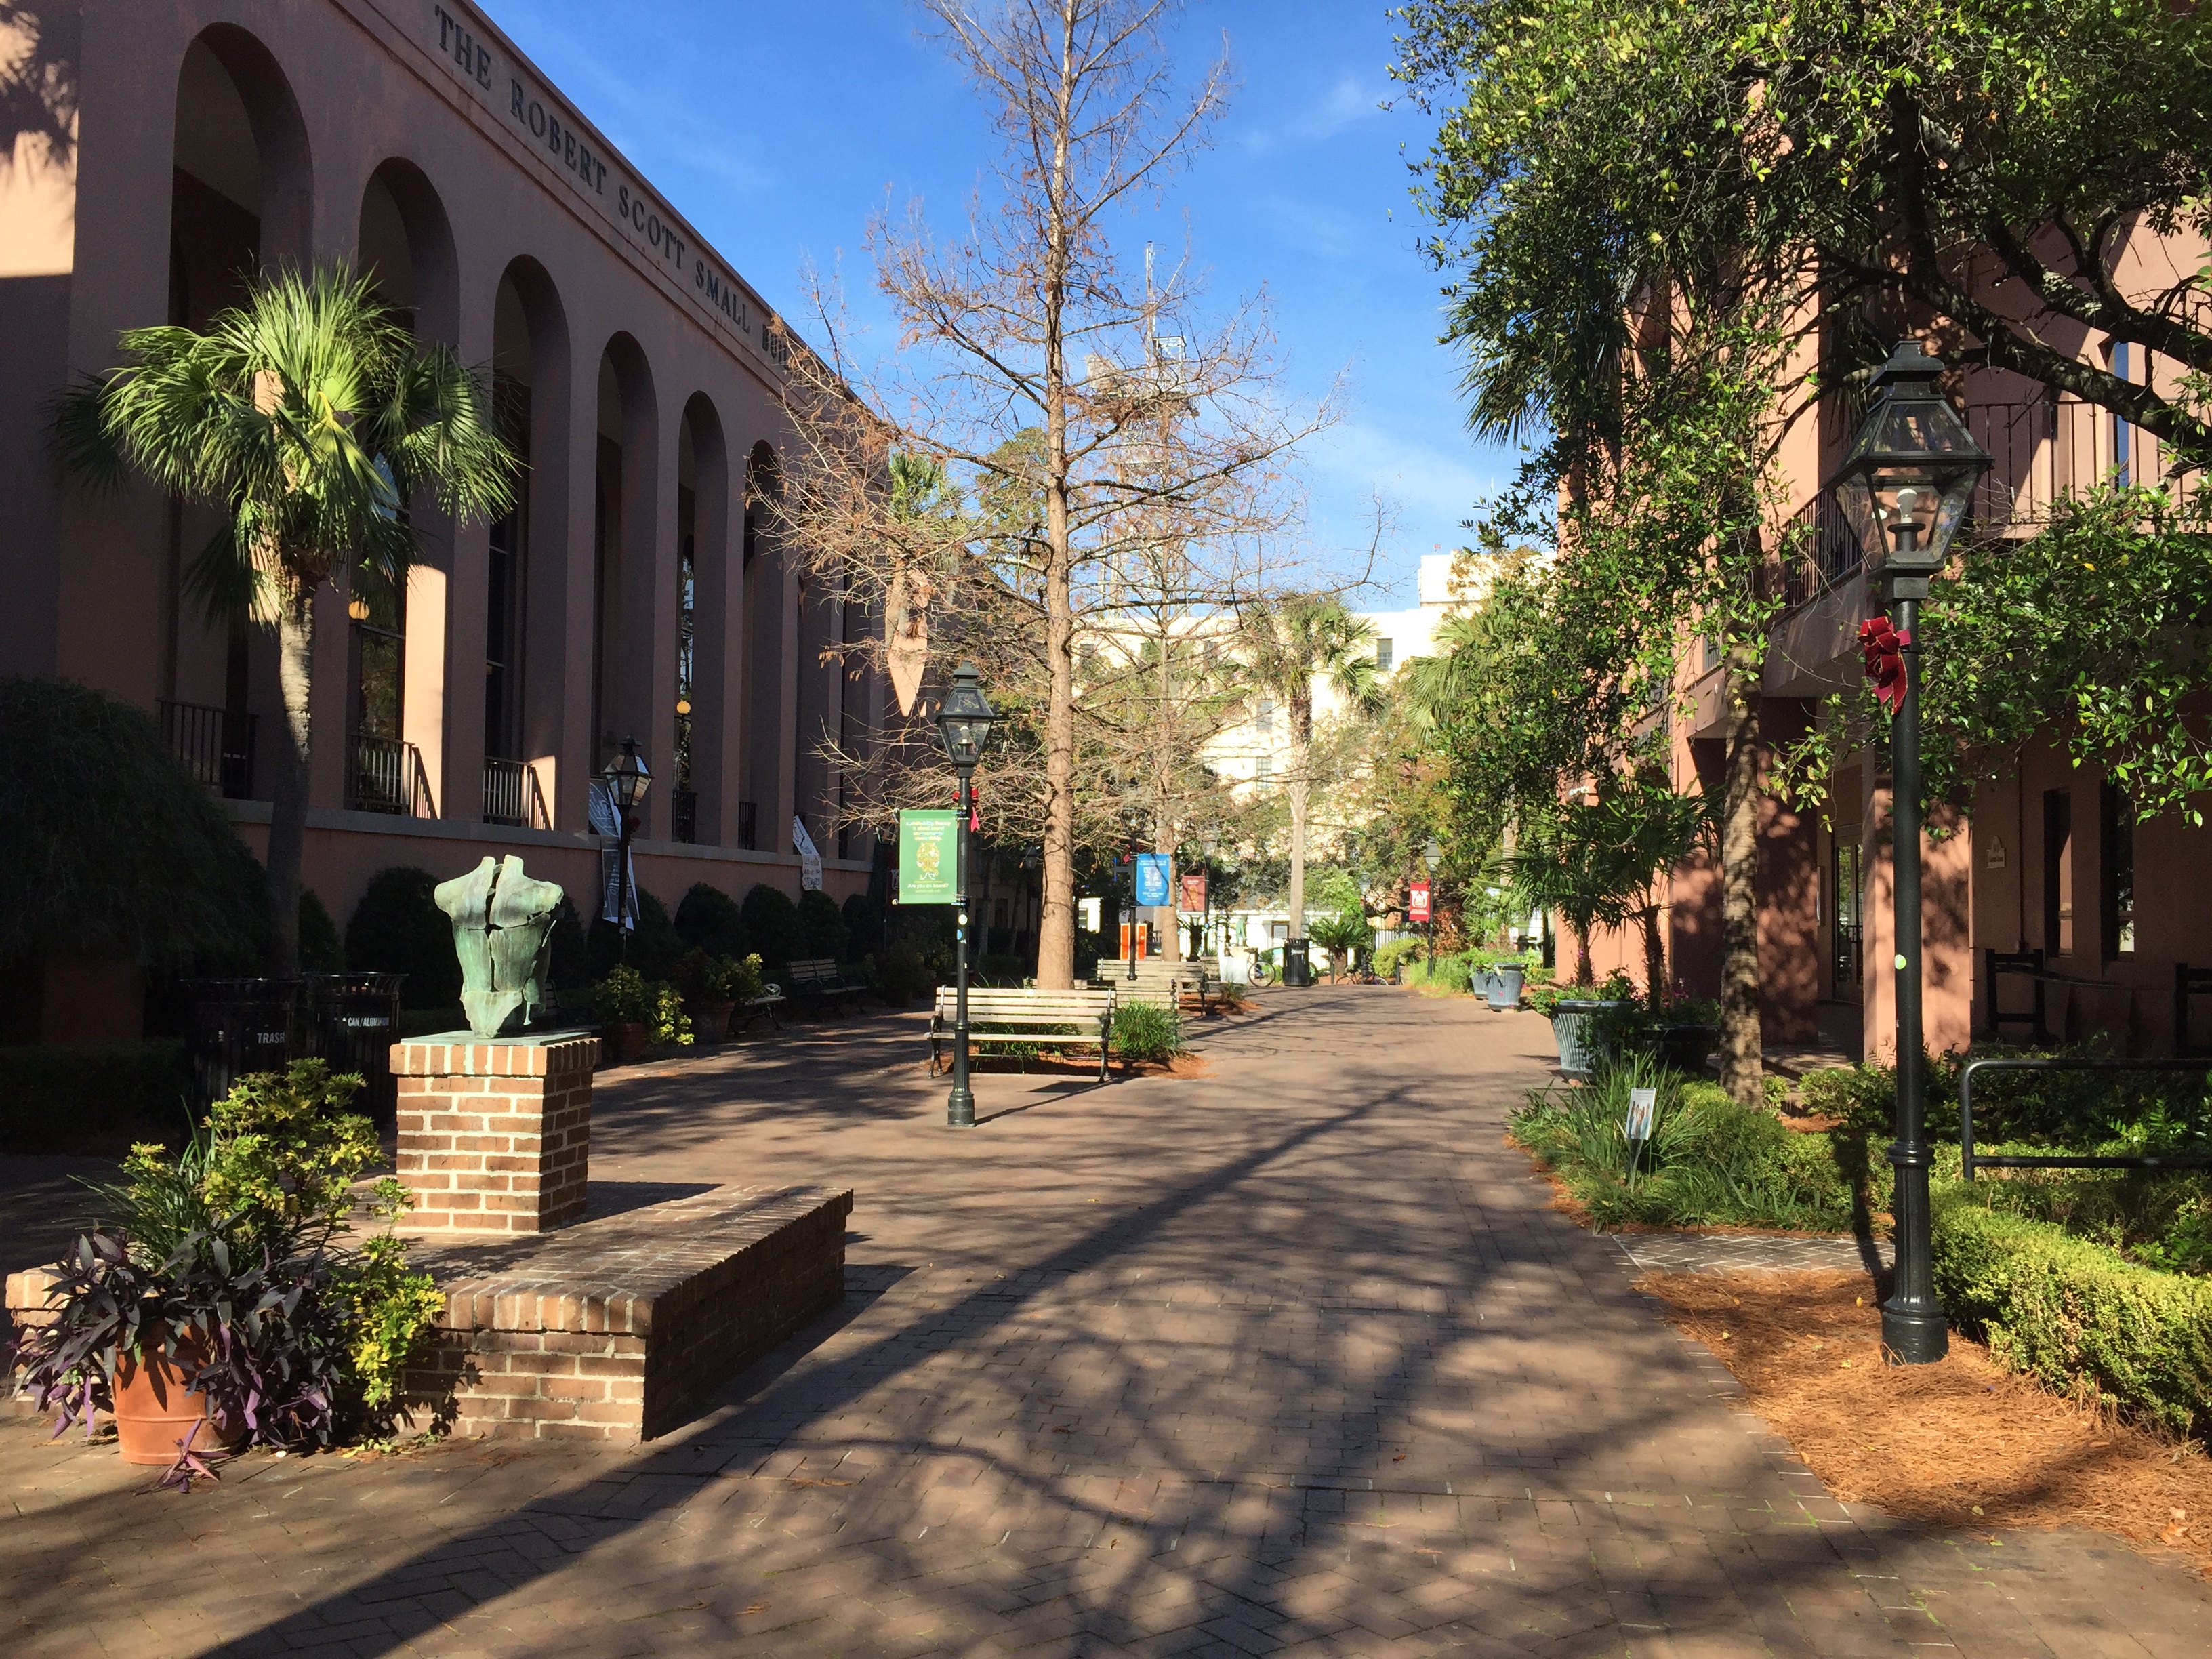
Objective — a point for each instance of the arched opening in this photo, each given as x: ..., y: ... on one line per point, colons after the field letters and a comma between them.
x: 622, y: 553
x: 406, y: 248
x: 240, y: 192
x: 705, y: 748
x: 762, y: 711
x: 522, y: 706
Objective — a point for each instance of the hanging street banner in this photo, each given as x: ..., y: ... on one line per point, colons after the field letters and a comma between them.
x: 1194, y: 894
x: 928, y: 846
x: 1151, y: 879
x: 1417, y: 901
x: 810, y: 857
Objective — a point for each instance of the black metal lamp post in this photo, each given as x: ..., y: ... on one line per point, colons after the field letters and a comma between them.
x: 1906, y: 488
x: 628, y: 779
x: 1432, y: 856
x: 963, y: 726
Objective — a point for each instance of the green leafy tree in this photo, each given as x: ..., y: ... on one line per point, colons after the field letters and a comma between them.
x: 312, y: 419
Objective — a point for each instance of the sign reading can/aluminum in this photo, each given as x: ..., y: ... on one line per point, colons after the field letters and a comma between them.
x: 928, y: 857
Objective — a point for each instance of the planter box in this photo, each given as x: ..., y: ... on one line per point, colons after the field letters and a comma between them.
x: 1684, y: 1048
x: 1504, y: 987
x: 1571, y: 1024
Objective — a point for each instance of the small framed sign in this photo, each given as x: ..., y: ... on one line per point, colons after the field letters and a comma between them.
x: 1642, y: 1102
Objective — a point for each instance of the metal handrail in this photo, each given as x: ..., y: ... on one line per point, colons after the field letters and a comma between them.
x: 2010, y: 1160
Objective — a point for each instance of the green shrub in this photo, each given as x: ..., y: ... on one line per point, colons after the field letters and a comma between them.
x: 864, y: 925
x: 319, y: 950
x: 626, y: 997
x: 772, y: 925
x: 571, y: 967
x: 1148, y: 1030
x: 1710, y: 1161
x: 51, y: 1095
x: 822, y: 929
x: 398, y: 928
x: 1399, y: 951
x: 2078, y: 1316
x: 709, y: 920
x: 721, y: 979
x: 655, y: 947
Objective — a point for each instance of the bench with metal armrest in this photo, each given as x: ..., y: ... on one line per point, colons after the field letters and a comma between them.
x: 1157, y: 980
x: 817, y: 979
x: 1056, y: 1020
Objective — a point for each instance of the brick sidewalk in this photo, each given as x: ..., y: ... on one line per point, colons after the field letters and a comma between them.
x: 1292, y: 1357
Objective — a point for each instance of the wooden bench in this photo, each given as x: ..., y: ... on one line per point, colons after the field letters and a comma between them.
x: 1048, y: 1018
x: 817, y: 980
x: 1157, y: 980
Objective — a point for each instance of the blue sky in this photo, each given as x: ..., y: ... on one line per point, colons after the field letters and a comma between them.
x: 778, y: 127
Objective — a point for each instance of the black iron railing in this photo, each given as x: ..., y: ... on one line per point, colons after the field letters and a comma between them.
x: 387, y: 775
x: 511, y: 795
x: 1973, y: 1068
x: 216, y: 745
x: 749, y: 825
x: 1822, y: 550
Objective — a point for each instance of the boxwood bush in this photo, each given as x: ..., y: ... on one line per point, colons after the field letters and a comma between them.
x: 54, y: 1095
x: 772, y: 924
x: 708, y: 919
x: 2078, y: 1316
x: 398, y: 928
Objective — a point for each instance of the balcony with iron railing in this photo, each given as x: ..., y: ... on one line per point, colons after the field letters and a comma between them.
x: 512, y: 795
x: 386, y: 775
x: 215, y: 745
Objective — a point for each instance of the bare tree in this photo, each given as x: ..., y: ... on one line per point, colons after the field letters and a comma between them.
x: 1094, y: 434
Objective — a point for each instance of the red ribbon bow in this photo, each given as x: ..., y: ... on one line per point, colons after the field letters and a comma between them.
x: 1884, y: 646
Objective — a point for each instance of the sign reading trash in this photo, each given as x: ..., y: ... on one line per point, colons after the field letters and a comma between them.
x: 928, y: 856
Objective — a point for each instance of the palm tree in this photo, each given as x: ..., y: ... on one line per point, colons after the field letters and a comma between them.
x: 311, y: 417
x: 1288, y: 644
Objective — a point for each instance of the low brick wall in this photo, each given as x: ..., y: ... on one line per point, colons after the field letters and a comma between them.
x: 496, y: 1137
x: 614, y: 1329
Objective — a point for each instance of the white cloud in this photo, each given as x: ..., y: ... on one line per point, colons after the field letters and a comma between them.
x: 1349, y: 102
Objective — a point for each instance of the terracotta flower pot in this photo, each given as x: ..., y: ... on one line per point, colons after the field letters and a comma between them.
x: 155, y: 1408
x: 710, y: 1021
x: 629, y: 1039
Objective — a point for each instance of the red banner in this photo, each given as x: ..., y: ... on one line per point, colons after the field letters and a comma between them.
x: 1417, y: 901
x: 1193, y: 893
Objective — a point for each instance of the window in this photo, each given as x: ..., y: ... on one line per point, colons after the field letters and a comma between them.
x: 1263, y: 771
x: 1263, y: 717
x: 2058, y: 872
x: 2119, y: 847
x: 1844, y: 876
x: 1383, y: 649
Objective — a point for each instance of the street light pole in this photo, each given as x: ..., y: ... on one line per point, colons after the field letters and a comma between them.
x: 963, y: 726
x: 1432, y: 856
x: 627, y: 778
x: 1905, y: 487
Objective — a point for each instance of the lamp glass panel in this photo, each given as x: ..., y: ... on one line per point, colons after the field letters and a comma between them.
x: 1855, y: 495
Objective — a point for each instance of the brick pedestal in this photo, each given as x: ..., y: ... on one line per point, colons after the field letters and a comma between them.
x: 494, y: 1136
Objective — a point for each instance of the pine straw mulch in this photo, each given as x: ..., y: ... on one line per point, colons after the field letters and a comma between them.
x: 1963, y: 1442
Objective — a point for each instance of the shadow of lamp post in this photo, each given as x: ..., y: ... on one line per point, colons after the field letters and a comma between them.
x: 963, y: 726
x: 1905, y: 486
x: 627, y: 778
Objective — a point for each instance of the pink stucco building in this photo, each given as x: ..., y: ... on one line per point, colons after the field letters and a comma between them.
x: 637, y: 589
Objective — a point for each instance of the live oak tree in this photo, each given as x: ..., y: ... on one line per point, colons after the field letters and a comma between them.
x: 311, y: 418
x: 1039, y: 374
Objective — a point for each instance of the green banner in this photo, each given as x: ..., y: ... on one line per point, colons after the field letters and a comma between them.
x: 928, y: 854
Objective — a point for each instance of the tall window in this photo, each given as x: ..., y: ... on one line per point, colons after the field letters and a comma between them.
x: 2058, y: 872
x: 1383, y: 656
x: 1263, y: 771
x: 502, y: 670
x: 1844, y: 875
x: 1263, y: 717
x: 2119, y: 861
x: 378, y: 650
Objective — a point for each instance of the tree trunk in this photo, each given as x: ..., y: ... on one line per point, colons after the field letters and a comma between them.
x: 1584, y: 975
x: 287, y: 813
x: 1742, y: 1071
x: 1056, y: 924
x: 1301, y: 749
x: 1654, y: 959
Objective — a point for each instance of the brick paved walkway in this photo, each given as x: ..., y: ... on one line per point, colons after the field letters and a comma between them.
x: 1292, y: 1359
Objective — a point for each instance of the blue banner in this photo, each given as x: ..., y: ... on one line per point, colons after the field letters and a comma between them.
x: 1151, y: 879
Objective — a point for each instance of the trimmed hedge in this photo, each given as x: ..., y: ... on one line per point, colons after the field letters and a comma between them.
x: 2078, y: 1316
x: 398, y: 928
x: 50, y: 1095
x: 709, y: 919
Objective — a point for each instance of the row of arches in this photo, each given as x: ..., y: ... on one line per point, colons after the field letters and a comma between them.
x: 606, y: 605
